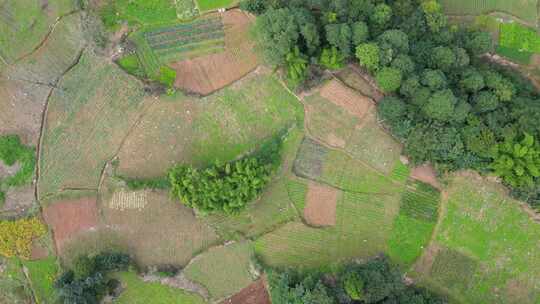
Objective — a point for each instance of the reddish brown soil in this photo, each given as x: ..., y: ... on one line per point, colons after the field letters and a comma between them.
x: 320, y: 207
x: 346, y: 98
x: 38, y: 251
x: 206, y: 74
x: 255, y: 293
x: 426, y: 174
x: 70, y: 218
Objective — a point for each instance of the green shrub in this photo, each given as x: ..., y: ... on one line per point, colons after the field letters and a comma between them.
x: 332, y: 59
x: 354, y: 286
x: 12, y: 151
x: 167, y: 76
x: 131, y: 65
x: 389, y: 79
x: 517, y: 162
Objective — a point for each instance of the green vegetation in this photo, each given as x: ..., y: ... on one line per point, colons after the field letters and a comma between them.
x: 139, y: 292
x: 376, y: 281
x: 481, y: 229
x: 223, y: 270
x: 88, y: 282
x: 14, y: 288
x: 225, y: 188
x: 145, y: 12
x: 525, y: 9
x: 207, y: 5
x: 518, y: 42
x: 414, y: 224
x: 42, y: 274
x: 131, y: 65
x: 12, y: 152
x: 521, y: 57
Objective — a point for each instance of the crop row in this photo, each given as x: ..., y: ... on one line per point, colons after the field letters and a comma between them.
x: 184, y: 27
x: 175, y: 35
x: 421, y: 201
x: 189, y: 40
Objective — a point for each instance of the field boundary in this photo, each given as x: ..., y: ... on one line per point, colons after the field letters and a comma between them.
x: 493, y: 13
x: 44, y: 120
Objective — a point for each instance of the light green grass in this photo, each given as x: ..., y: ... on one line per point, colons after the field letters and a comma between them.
x: 223, y: 270
x: 414, y: 225
x: 517, y: 42
x: 139, y: 292
x: 485, y: 225
x: 220, y: 127
x: 372, y: 145
x: 14, y: 288
x: 24, y: 25
x: 86, y: 123
x: 524, y: 9
x: 206, y: 5
x: 43, y: 273
x: 515, y: 55
x: 362, y: 229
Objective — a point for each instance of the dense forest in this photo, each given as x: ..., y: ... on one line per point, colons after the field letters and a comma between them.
x: 444, y: 99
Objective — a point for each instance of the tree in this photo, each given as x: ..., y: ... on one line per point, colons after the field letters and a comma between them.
x: 389, y: 79
x: 395, y: 39
x: 297, y: 64
x: 340, y: 36
x: 391, y: 109
x: 462, y: 57
x: 435, y: 18
x: 441, y: 105
x: 485, y: 101
x: 354, y: 286
x: 517, y: 162
x: 472, y: 81
x: 381, y: 15
x: 360, y: 32
x: 478, y: 43
x: 256, y: 7
x: 434, y: 79
x: 332, y: 59
x: 443, y: 58
x: 410, y: 85
x: 277, y: 34
x: 369, y: 56
x: 404, y: 63
x: 502, y: 87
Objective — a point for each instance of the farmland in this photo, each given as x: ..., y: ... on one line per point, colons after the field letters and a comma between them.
x: 526, y: 10
x: 110, y: 95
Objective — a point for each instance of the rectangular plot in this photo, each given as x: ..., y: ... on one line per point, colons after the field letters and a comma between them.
x: 453, y: 269
x: 309, y: 159
x: 421, y: 201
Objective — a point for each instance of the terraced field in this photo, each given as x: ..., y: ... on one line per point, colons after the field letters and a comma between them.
x: 525, y: 9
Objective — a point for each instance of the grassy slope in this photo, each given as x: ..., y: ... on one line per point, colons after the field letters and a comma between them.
x: 42, y: 273
x: 220, y: 127
x: 223, y: 270
x: 14, y: 288
x: 492, y: 240
x: 85, y: 124
x: 139, y: 292
x: 24, y: 25
x: 206, y: 5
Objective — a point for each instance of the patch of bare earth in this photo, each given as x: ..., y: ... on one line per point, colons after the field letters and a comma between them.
x: 206, y: 74
x: 346, y: 98
x: 255, y: 293
x: 321, y: 203
x: 18, y: 200
x: 426, y: 174
x: 38, y: 251
x: 519, y: 292
x: 424, y: 264
x: 70, y: 218
x: 335, y: 141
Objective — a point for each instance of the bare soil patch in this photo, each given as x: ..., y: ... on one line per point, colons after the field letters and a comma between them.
x: 38, y: 251
x: 19, y: 200
x: 70, y: 218
x: 255, y: 293
x: 424, y: 264
x: 206, y: 74
x: 346, y: 98
x: 335, y: 141
x: 426, y: 174
x: 6, y: 170
x: 321, y: 203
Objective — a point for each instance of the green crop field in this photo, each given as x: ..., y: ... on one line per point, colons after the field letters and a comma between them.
x: 486, y: 242
x: 86, y: 123
x: 223, y: 270
x: 415, y: 222
x: 524, y: 9
x: 25, y: 23
x: 139, y: 292
x: 362, y: 229
x: 207, y: 5
x: 219, y: 127
x: 42, y: 275
x: 161, y: 44
x: 517, y: 42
